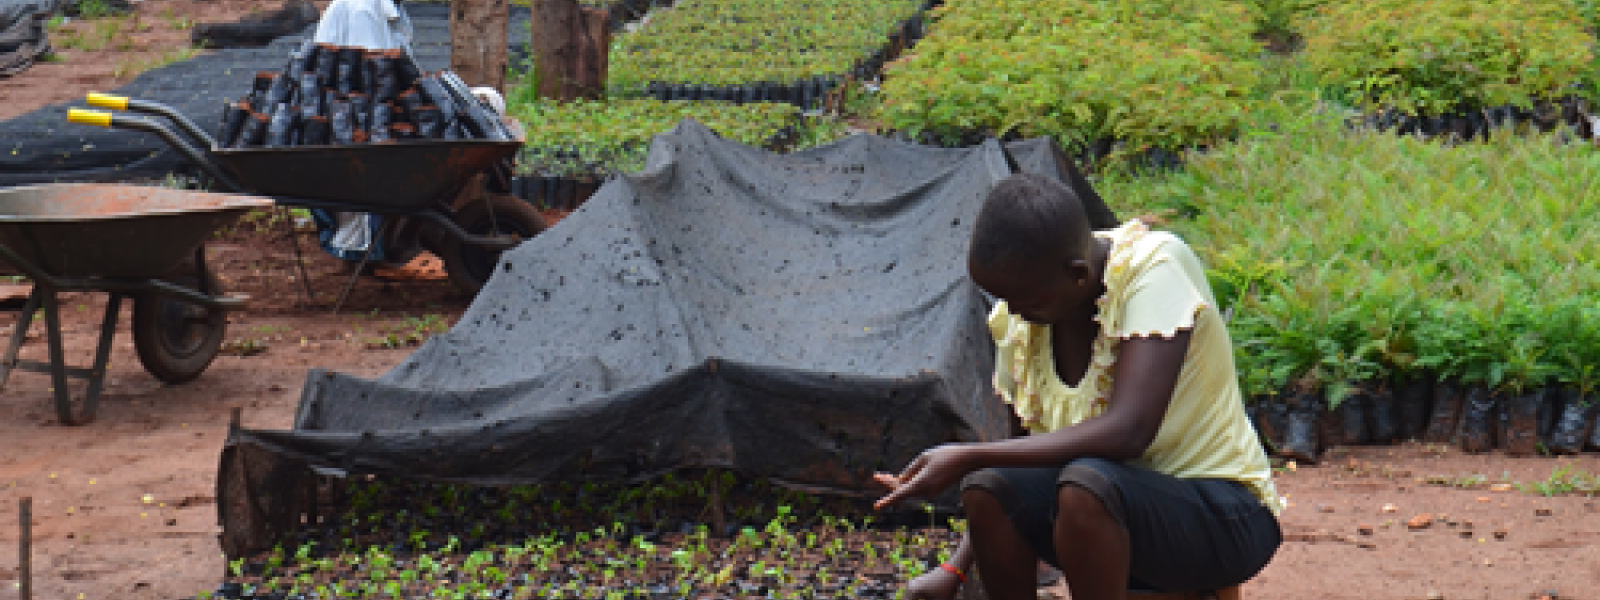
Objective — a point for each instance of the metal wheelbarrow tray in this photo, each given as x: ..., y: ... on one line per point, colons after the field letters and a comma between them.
x: 401, y: 176
x: 129, y: 241
x: 407, y: 178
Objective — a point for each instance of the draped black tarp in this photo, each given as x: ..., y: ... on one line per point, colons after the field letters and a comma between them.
x: 805, y: 317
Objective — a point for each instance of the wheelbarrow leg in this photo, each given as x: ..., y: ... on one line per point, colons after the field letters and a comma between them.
x: 102, y: 356
x: 24, y: 320
x: 58, y: 359
x: 299, y: 259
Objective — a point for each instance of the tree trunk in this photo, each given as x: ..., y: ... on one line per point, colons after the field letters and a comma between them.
x: 556, y: 26
x: 594, y: 50
x: 479, y: 41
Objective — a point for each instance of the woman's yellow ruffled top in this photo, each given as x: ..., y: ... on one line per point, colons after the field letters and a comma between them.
x: 1155, y: 286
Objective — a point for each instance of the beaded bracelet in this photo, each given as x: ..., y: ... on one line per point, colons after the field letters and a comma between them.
x: 962, y: 577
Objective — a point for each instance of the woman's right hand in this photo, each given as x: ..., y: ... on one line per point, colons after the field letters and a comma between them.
x: 937, y: 584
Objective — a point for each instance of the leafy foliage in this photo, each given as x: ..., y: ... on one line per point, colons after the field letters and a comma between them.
x: 1440, y: 56
x: 1151, y: 73
x: 729, y: 42
x: 614, y: 136
x: 1349, y: 255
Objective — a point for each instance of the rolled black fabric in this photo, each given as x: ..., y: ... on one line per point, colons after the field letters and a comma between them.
x: 255, y: 131
x: 342, y: 122
x: 327, y: 65
x: 309, y: 95
x: 430, y: 122
x: 260, y: 86
x: 363, y: 72
x: 280, y: 92
x: 282, y: 125
x: 233, y: 117
x: 379, y: 126
x: 406, y: 71
x: 315, y: 131
x: 348, y: 79
x: 412, y: 101
x: 300, y: 61
x: 385, y: 87
x: 436, y: 94
x: 361, y: 110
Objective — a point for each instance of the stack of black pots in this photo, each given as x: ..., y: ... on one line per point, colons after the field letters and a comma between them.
x: 328, y: 95
x: 1553, y: 421
x: 1468, y: 125
x: 808, y: 94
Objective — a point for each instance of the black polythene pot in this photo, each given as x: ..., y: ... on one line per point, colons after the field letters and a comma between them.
x: 1330, y: 422
x: 1522, y: 412
x: 1352, y: 416
x: 1276, y: 415
x: 1477, y: 430
x: 1412, y: 404
x: 1445, y: 414
x: 1302, y: 439
x: 1268, y: 429
x: 1575, y: 423
x: 1550, y: 409
x: 1383, y: 414
x: 1594, y: 431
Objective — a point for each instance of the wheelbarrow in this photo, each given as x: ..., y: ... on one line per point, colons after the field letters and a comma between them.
x: 430, y: 189
x: 130, y: 241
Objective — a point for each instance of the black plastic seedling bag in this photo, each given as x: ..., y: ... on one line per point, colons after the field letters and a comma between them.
x: 805, y: 318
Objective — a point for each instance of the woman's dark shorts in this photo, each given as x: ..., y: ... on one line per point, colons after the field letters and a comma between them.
x: 1186, y: 535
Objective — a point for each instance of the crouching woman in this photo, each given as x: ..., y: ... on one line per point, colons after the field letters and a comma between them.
x: 1135, y: 468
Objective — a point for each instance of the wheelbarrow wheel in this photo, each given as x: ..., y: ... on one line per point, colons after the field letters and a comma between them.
x: 177, y: 340
x: 470, y: 266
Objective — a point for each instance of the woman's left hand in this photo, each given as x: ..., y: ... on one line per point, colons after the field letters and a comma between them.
x: 930, y: 473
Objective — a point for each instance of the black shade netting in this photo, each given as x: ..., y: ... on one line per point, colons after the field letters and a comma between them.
x: 806, y: 318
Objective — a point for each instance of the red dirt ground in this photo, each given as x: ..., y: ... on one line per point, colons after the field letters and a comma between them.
x: 96, y: 536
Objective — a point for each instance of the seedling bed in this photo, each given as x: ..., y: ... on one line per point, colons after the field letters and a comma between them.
x: 383, y: 538
x: 742, y: 51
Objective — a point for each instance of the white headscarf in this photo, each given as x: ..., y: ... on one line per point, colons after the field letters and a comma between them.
x: 371, y: 24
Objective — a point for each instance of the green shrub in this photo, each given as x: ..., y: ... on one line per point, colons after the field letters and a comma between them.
x: 1436, y: 57
x: 614, y: 136
x: 730, y: 42
x: 1151, y: 73
x: 1348, y: 254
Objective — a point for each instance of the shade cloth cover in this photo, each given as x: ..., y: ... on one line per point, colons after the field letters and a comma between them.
x: 805, y: 318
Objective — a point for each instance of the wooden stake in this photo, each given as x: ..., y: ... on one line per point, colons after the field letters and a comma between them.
x: 25, y: 549
x: 719, y: 521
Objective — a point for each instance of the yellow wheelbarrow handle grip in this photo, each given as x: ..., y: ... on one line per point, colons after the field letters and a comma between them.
x: 110, y: 101
x: 97, y: 118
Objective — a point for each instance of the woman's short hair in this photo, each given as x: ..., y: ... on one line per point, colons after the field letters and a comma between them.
x: 1028, y: 217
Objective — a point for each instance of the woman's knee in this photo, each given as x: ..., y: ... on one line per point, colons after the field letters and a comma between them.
x: 981, y: 494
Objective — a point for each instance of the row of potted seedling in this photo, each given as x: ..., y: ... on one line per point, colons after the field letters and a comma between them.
x: 718, y: 50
